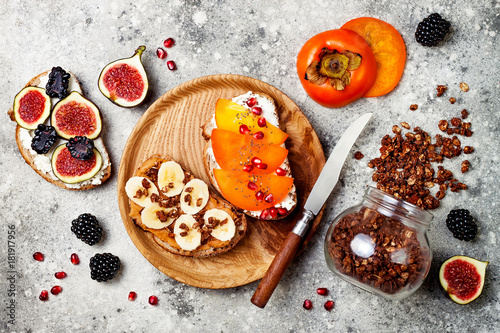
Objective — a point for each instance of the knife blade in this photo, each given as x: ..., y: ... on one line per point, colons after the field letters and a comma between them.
x: 327, y: 180
x: 322, y: 188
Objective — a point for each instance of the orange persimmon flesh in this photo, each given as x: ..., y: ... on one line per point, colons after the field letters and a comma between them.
x: 229, y: 116
x: 232, y: 151
x: 388, y: 48
x: 234, y: 188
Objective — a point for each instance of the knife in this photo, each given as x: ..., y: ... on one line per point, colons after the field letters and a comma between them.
x: 320, y: 192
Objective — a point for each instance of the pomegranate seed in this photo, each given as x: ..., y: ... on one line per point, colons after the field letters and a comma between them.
x: 259, y: 195
x: 169, y: 42
x: 329, y: 305
x: 322, y: 291
x: 269, y: 198
x: 262, y: 166
x: 161, y: 53
x: 261, y: 122
x: 264, y: 215
x: 308, y: 305
x: 282, y: 211
x: 251, y: 102
x: 273, y: 212
x: 60, y: 275
x: 255, y: 161
x: 55, y: 290
x: 153, y: 300
x: 259, y: 135
x: 74, y: 259
x: 244, y: 129
x: 38, y: 256
x: 257, y: 110
x: 252, y: 186
x: 248, y: 168
x: 44, y: 295
x: 171, y: 65
x: 281, y: 172
x: 132, y: 295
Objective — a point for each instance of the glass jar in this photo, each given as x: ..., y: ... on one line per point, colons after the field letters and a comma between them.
x: 380, y: 245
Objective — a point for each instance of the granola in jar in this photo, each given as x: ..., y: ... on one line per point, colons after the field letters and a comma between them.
x: 380, y: 245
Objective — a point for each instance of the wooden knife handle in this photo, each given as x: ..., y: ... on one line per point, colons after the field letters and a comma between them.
x: 276, y: 270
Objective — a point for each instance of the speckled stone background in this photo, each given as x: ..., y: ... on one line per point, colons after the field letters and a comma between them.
x: 260, y: 39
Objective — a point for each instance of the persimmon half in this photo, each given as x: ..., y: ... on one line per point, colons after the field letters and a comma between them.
x: 336, y: 67
x: 230, y: 116
x: 388, y: 49
x: 234, y: 186
x: 232, y: 151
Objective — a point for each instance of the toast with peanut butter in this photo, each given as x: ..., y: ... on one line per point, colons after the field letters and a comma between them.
x: 184, y: 216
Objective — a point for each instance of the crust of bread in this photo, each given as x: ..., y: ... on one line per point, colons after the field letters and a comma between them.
x: 161, y: 236
x: 210, y: 164
x: 29, y: 158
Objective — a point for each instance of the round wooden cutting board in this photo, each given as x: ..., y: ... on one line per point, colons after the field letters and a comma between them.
x: 171, y: 126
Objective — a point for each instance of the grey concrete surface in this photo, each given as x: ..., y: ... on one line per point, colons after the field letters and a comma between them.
x: 259, y: 39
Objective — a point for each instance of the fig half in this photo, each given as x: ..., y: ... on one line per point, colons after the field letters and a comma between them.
x: 124, y: 81
x: 76, y: 116
x: 71, y: 170
x: 31, y: 107
x: 463, y: 278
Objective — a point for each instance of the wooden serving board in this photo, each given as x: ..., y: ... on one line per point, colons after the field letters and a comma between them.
x: 171, y: 126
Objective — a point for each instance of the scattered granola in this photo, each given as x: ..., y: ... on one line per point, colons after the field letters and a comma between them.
x: 464, y: 114
x: 413, y: 107
x: 396, y: 129
x: 404, y: 167
x: 457, y: 126
x: 453, y: 100
x: 464, y: 87
x: 443, y: 125
x: 440, y: 90
x: 468, y: 149
x: 358, y: 155
x: 465, y: 166
x: 455, y: 122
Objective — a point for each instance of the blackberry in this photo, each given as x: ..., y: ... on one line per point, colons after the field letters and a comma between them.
x: 86, y: 228
x: 461, y: 224
x: 44, y: 139
x: 104, y: 266
x: 81, y: 147
x: 58, y: 83
x: 432, y: 30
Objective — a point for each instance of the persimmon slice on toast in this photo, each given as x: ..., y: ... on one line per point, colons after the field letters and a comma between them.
x: 233, y: 151
x: 230, y: 116
x: 235, y: 188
